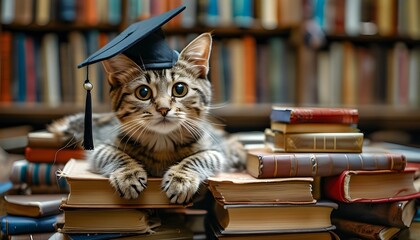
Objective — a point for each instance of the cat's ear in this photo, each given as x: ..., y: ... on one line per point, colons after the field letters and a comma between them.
x: 116, y: 65
x: 197, y: 53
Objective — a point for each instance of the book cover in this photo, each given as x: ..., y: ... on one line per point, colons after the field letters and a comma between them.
x: 371, y: 186
x: 397, y: 214
x: 364, y: 230
x: 313, y: 127
x: 34, y: 205
x: 231, y: 188
x: 53, y: 155
x: 94, y: 190
x: 46, y: 139
x: 314, y: 142
x: 314, y: 115
x: 11, y: 225
x: 265, y: 164
x: 277, y: 218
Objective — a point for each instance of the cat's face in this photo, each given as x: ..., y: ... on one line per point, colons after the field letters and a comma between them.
x: 162, y: 101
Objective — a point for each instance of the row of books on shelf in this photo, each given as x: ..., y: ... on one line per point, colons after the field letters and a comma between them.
x: 319, y: 193
x: 352, y: 74
x: 44, y: 12
x: 214, y: 13
x: 359, y: 17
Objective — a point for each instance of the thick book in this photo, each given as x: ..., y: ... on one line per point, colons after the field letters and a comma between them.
x: 119, y: 220
x: 350, y: 228
x: 11, y: 225
x: 44, y: 155
x: 94, y: 190
x: 264, y: 164
x: 398, y: 214
x: 231, y: 188
x: 313, y: 127
x: 371, y: 186
x: 314, y: 115
x: 45, y: 139
x: 37, y: 174
x: 35, y: 205
x: 314, y: 142
x: 275, y: 218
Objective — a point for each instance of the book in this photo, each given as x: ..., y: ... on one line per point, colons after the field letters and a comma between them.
x: 280, y: 218
x: 371, y: 186
x: 121, y: 220
x: 94, y: 190
x: 397, y: 214
x: 44, y: 155
x: 313, y: 142
x: 365, y: 230
x: 314, y: 115
x: 46, y: 139
x: 36, y: 174
x: 262, y: 163
x: 231, y: 188
x: 312, y: 127
x: 11, y: 225
x: 35, y: 205
x: 214, y: 232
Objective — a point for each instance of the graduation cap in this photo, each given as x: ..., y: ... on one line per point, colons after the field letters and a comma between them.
x: 144, y: 43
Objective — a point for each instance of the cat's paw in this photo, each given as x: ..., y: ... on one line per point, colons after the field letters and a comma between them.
x: 180, y: 187
x: 129, y: 182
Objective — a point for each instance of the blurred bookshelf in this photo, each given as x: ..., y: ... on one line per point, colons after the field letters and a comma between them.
x: 368, y: 62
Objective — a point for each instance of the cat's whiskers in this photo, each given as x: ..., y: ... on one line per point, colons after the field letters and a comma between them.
x: 196, y: 124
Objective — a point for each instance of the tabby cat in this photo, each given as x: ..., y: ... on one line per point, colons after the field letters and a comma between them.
x: 160, y: 127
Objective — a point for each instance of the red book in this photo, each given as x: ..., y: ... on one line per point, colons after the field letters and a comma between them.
x: 314, y: 115
x: 5, y: 67
x: 30, y: 69
x: 53, y: 154
x: 371, y: 186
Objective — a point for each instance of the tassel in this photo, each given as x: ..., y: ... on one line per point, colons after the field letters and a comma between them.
x: 88, y: 138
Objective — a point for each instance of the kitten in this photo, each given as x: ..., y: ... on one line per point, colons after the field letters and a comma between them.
x: 162, y: 127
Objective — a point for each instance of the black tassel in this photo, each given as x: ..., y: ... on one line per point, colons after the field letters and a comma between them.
x: 88, y: 138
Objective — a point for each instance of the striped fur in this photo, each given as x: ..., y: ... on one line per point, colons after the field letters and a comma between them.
x: 167, y: 135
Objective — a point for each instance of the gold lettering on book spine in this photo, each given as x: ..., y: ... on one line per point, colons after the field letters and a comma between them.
x: 275, y: 167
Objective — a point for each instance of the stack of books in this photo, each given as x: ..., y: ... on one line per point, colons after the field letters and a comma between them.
x: 93, y: 207
x: 312, y: 158
x: 31, y: 216
x: 45, y: 154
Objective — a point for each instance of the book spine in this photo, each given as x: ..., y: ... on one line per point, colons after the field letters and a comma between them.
x: 46, y: 155
x: 326, y: 164
x: 12, y: 225
x: 364, y: 230
x: 36, y: 174
x: 312, y: 115
x: 316, y: 142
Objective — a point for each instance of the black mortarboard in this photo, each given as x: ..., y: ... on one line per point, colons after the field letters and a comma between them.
x: 144, y: 43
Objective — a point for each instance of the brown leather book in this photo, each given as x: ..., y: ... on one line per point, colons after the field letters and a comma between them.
x: 394, y: 214
x: 262, y: 163
x: 364, y: 230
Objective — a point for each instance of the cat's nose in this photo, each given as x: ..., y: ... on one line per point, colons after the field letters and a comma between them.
x: 163, y: 110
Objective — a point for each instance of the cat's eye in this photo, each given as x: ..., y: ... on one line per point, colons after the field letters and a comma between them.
x: 179, y: 90
x: 144, y: 92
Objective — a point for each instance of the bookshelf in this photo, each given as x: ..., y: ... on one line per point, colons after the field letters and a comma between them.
x: 266, y: 36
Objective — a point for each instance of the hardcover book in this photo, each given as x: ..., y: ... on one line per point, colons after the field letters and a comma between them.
x: 314, y: 115
x: 313, y: 127
x: 262, y: 163
x: 231, y: 188
x: 394, y: 214
x: 119, y: 220
x: 35, y: 205
x: 43, y: 155
x: 275, y: 218
x: 11, y: 225
x: 313, y: 142
x: 45, y: 139
x: 94, y: 190
x: 364, y: 230
x: 371, y: 186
